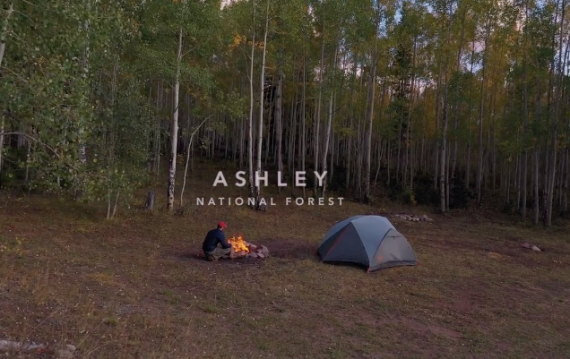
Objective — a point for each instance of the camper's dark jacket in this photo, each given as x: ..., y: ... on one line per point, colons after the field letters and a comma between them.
x: 212, y: 239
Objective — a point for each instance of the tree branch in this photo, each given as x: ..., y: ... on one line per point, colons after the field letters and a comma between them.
x: 188, y: 157
x: 43, y: 144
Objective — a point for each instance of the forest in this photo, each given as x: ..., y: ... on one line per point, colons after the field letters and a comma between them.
x: 431, y: 102
x: 446, y: 123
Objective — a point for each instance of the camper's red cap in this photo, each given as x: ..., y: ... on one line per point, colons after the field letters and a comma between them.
x: 222, y: 225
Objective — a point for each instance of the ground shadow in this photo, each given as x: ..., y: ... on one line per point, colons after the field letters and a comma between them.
x: 282, y: 248
x: 195, y: 257
x: 363, y: 268
x: 289, y: 248
x: 349, y: 266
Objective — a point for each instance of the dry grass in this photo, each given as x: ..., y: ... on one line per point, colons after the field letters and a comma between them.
x: 131, y: 288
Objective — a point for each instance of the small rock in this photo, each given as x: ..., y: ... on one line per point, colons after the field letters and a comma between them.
x: 426, y: 218
x: 63, y: 354
x: 7, y: 345
x: 494, y: 255
x: 253, y: 255
x: 525, y: 245
x: 535, y: 248
x: 260, y: 255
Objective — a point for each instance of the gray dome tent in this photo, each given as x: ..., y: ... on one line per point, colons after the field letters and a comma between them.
x: 371, y: 241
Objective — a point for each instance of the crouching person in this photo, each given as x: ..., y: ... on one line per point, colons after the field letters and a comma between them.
x: 213, y: 238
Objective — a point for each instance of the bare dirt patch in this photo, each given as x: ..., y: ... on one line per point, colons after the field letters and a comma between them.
x: 290, y: 248
x: 424, y: 329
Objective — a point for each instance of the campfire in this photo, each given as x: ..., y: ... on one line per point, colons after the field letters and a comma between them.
x: 244, y: 249
x: 239, y: 244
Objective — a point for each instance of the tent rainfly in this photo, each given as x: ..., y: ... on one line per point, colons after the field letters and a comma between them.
x: 370, y: 241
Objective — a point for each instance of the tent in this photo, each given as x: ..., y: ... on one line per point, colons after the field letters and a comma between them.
x: 370, y: 241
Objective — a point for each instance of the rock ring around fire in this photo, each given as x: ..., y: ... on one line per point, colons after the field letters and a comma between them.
x: 243, y: 249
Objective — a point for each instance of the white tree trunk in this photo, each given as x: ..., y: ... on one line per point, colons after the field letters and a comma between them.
x: 174, y: 132
x: 481, y: 119
x: 188, y: 159
x: 372, y: 92
x: 328, y: 133
x: 317, y: 130
x: 251, y: 104
x: 86, y: 65
x: 261, y: 108
x: 326, y: 148
x: 558, y: 99
x: 279, y: 123
x: 303, y: 144
x: 2, y: 51
x: 444, y: 160
x: 566, y: 181
x: 369, y: 135
x: 2, y: 122
x: 4, y: 32
x: 536, y: 204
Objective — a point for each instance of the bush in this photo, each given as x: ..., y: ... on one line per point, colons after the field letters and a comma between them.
x: 458, y: 194
x: 395, y: 191
x: 338, y: 180
x: 409, y: 197
x: 424, y: 193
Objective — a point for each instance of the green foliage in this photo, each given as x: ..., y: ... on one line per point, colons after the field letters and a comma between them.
x: 11, y: 247
x: 119, y: 143
x: 79, y: 83
x: 44, y: 91
x: 409, y: 197
x: 56, y: 95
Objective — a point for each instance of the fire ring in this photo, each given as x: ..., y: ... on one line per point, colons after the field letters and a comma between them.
x: 243, y: 249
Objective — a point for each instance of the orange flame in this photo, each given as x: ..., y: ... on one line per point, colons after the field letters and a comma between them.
x: 238, y: 244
